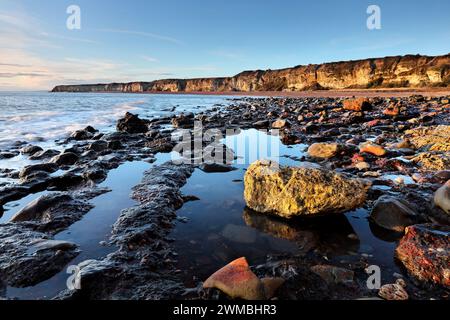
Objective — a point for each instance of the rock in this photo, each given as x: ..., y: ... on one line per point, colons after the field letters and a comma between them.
x: 433, y: 162
x: 425, y: 253
x: 334, y: 275
x: 271, y: 285
x: 372, y: 148
x: 132, y: 124
x: 362, y: 166
x: 296, y: 191
x: 212, y: 167
x: 46, y: 167
x: 430, y: 138
x: 184, y: 121
x: 65, y: 159
x: 47, y: 154
x: 393, y: 110
x: 237, y: 281
x: 80, y: 135
x: 29, y: 257
x: 30, y: 150
x: 263, y: 124
x: 98, y: 146
x: 360, y: 104
x: 442, y: 197
x: 53, y: 212
x: 393, y: 213
x: 7, y: 155
x: 115, y: 145
x: 324, y: 150
x: 393, y: 292
x: 280, y: 124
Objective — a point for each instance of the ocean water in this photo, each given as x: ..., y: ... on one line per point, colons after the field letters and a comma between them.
x: 42, y: 117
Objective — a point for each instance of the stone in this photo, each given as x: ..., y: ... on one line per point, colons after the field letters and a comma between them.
x: 372, y: 148
x: 393, y: 292
x: 47, y: 154
x: 212, y: 167
x: 28, y: 257
x: 280, y: 124
x: 433, y: 162
x: 184, y: 121
x: 271, y: 285
x: 263, y: 124
x: 237, y: 281
x: 80, y: 135
x: 98, y: 146
x: 63, y: 159
x: 393, y: 214
x: 360, y: 104
x: 132, y: 124
x: 334, y: 275
x: 425, y: 253
x: 362, y: 166
x: 30, y: 150
x: 298, y: 191
x: 393, y: 110
x: 442, y: 197
x: 324, y: 150
x: 430, y: 138
x: 46, y: 167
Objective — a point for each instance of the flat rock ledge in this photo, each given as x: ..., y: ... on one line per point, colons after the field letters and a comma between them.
x: 143, y: 266
x: 301, y: 191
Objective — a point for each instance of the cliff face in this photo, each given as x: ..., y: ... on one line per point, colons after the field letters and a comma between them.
x: 390, y: 72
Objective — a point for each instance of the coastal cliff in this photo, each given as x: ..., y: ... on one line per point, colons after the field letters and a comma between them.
x: 414, y: 71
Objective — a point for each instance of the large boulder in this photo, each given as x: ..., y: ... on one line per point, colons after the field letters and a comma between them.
x: 132, y: 124
x: 65, y: 159
x: 301, y: 191
x: 425, y: 252
x: 394, y: 214
x: 360, y: 104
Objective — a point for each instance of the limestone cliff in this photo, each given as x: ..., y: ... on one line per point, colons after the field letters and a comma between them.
x: 390, y: 72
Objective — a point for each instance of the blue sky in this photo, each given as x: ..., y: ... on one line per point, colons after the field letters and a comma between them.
x: 148, y: 39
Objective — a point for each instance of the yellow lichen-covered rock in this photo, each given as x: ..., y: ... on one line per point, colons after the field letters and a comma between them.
x: 430, y: 138
x: 434, y: 162
x: 295, y: 191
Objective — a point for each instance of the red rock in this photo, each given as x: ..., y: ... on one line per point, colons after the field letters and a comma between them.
x: 360, y: 104
x: 425, y: 252
x: 357, y: 158
x: 373, y: 123
x: 372, y: 148
x: 392, y: 110
x: 237, y: 281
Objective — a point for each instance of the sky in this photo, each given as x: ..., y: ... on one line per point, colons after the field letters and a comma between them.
x: 144, y: 40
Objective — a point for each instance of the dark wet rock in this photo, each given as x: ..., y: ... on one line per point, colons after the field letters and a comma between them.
x: 65, y: 159
x: 8, y: 155
x: 46, y: 167
x: 184, y: 121
x: 161, y: 145
x: 263, y: 124
x: 30, y: 150
x: 81, y: 135
x: 95, y: 174
x: 140, y: 269
x: 394, y: 214
x: 42, y: 155
x: 115, y: 145
x: 333, y: 274
x: 12, y: 192
x: 132, y: 124
x: 212, y: 167
x: 52, y: 212
x: 425, y: 252
x: 28, y: 257
x: 98, y: 146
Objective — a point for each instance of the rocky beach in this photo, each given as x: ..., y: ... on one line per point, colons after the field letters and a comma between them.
x: 351, y: 169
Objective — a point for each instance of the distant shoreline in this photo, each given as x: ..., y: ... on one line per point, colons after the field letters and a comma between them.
x: 345, y: 93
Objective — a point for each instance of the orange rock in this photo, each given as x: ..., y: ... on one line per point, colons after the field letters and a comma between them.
x: 237, y: 281
x: 271, y: 285
x: 372, y: 148
x: 360, y: 104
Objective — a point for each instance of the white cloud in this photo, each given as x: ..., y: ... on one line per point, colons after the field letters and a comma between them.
x: 149, y: 59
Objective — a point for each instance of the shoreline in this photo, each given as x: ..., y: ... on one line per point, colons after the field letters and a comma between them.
x: 344, y: 93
